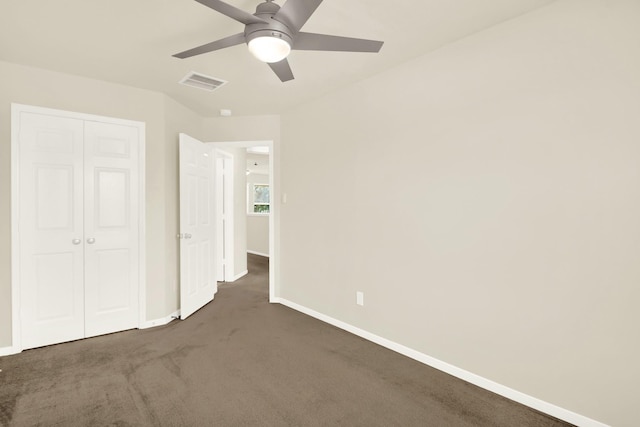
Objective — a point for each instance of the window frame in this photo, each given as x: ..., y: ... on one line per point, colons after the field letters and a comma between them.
x: 251, y: 203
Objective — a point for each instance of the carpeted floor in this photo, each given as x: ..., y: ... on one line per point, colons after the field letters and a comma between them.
x: 241, y: 361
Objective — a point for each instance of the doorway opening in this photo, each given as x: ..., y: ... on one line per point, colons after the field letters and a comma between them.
x: 267, y: 148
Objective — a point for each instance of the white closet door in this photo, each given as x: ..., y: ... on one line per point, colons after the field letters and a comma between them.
x: 51, y: 229
x: 111, y: 227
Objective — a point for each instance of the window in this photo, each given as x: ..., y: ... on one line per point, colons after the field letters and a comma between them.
x: 259, y: 199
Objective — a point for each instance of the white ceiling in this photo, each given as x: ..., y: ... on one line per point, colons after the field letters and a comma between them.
x: 131, y: 42
x: 262, y: 166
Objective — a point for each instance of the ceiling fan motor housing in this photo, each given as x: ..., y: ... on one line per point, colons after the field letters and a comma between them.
x: 273, y: 28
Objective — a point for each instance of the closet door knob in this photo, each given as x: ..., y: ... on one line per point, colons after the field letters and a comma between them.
x: 91, y: 240
x: 76, y: 241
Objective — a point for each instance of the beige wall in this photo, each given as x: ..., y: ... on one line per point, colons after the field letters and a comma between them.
x: 257, y: 225
x: 32, y: 86
x: 242, y: 128
x: 485, y: 198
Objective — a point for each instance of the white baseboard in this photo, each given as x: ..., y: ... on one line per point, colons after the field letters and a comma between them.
x: 7, y: 351
x: 238, y: 276
x: 509, y: 393
x: 257, y: 253
x: 161, y: 321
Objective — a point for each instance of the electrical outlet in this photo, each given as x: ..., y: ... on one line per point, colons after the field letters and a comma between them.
x: 360, y: 298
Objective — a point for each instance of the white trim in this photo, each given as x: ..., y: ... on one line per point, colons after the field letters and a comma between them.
x: 74, y: 115
x: 274, y: 209
x: 142, y: 225
x: 228, y: 262
x: 239, y: 276
x: 257, y: 253
x: 487, y: 384
x: 16, y: 109
x: 16, y: 342
x: 7, y: 351
x: 229, y: 215
x: 162, y: 321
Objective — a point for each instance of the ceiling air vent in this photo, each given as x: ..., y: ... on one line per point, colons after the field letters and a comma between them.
x: 200, y: 81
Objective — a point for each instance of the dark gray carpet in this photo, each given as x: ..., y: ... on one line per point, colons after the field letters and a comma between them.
x: 241, y: 361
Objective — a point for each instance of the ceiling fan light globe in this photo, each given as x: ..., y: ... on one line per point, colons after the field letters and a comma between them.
x: 269, y: 49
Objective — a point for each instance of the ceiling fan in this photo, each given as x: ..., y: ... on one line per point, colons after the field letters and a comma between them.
x: 273, y: 31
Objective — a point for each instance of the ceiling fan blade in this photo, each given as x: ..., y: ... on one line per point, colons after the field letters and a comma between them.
x: 282, y: 70
x: 311, y: 41
x: 232, y: 12
x: 295, y: 13
x: 210, y: 47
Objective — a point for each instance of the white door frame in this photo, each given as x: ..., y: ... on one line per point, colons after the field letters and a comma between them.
x: 224, y: 197
x: 16, y: 110
x: 274, y: 211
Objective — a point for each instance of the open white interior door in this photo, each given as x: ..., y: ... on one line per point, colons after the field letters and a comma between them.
x: 197, y: 226
x: 224, y: 216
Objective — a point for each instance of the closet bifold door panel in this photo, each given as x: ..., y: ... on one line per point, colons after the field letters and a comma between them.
x: 111, y: 228
x: 51, y: 229
x: 79, y: 228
